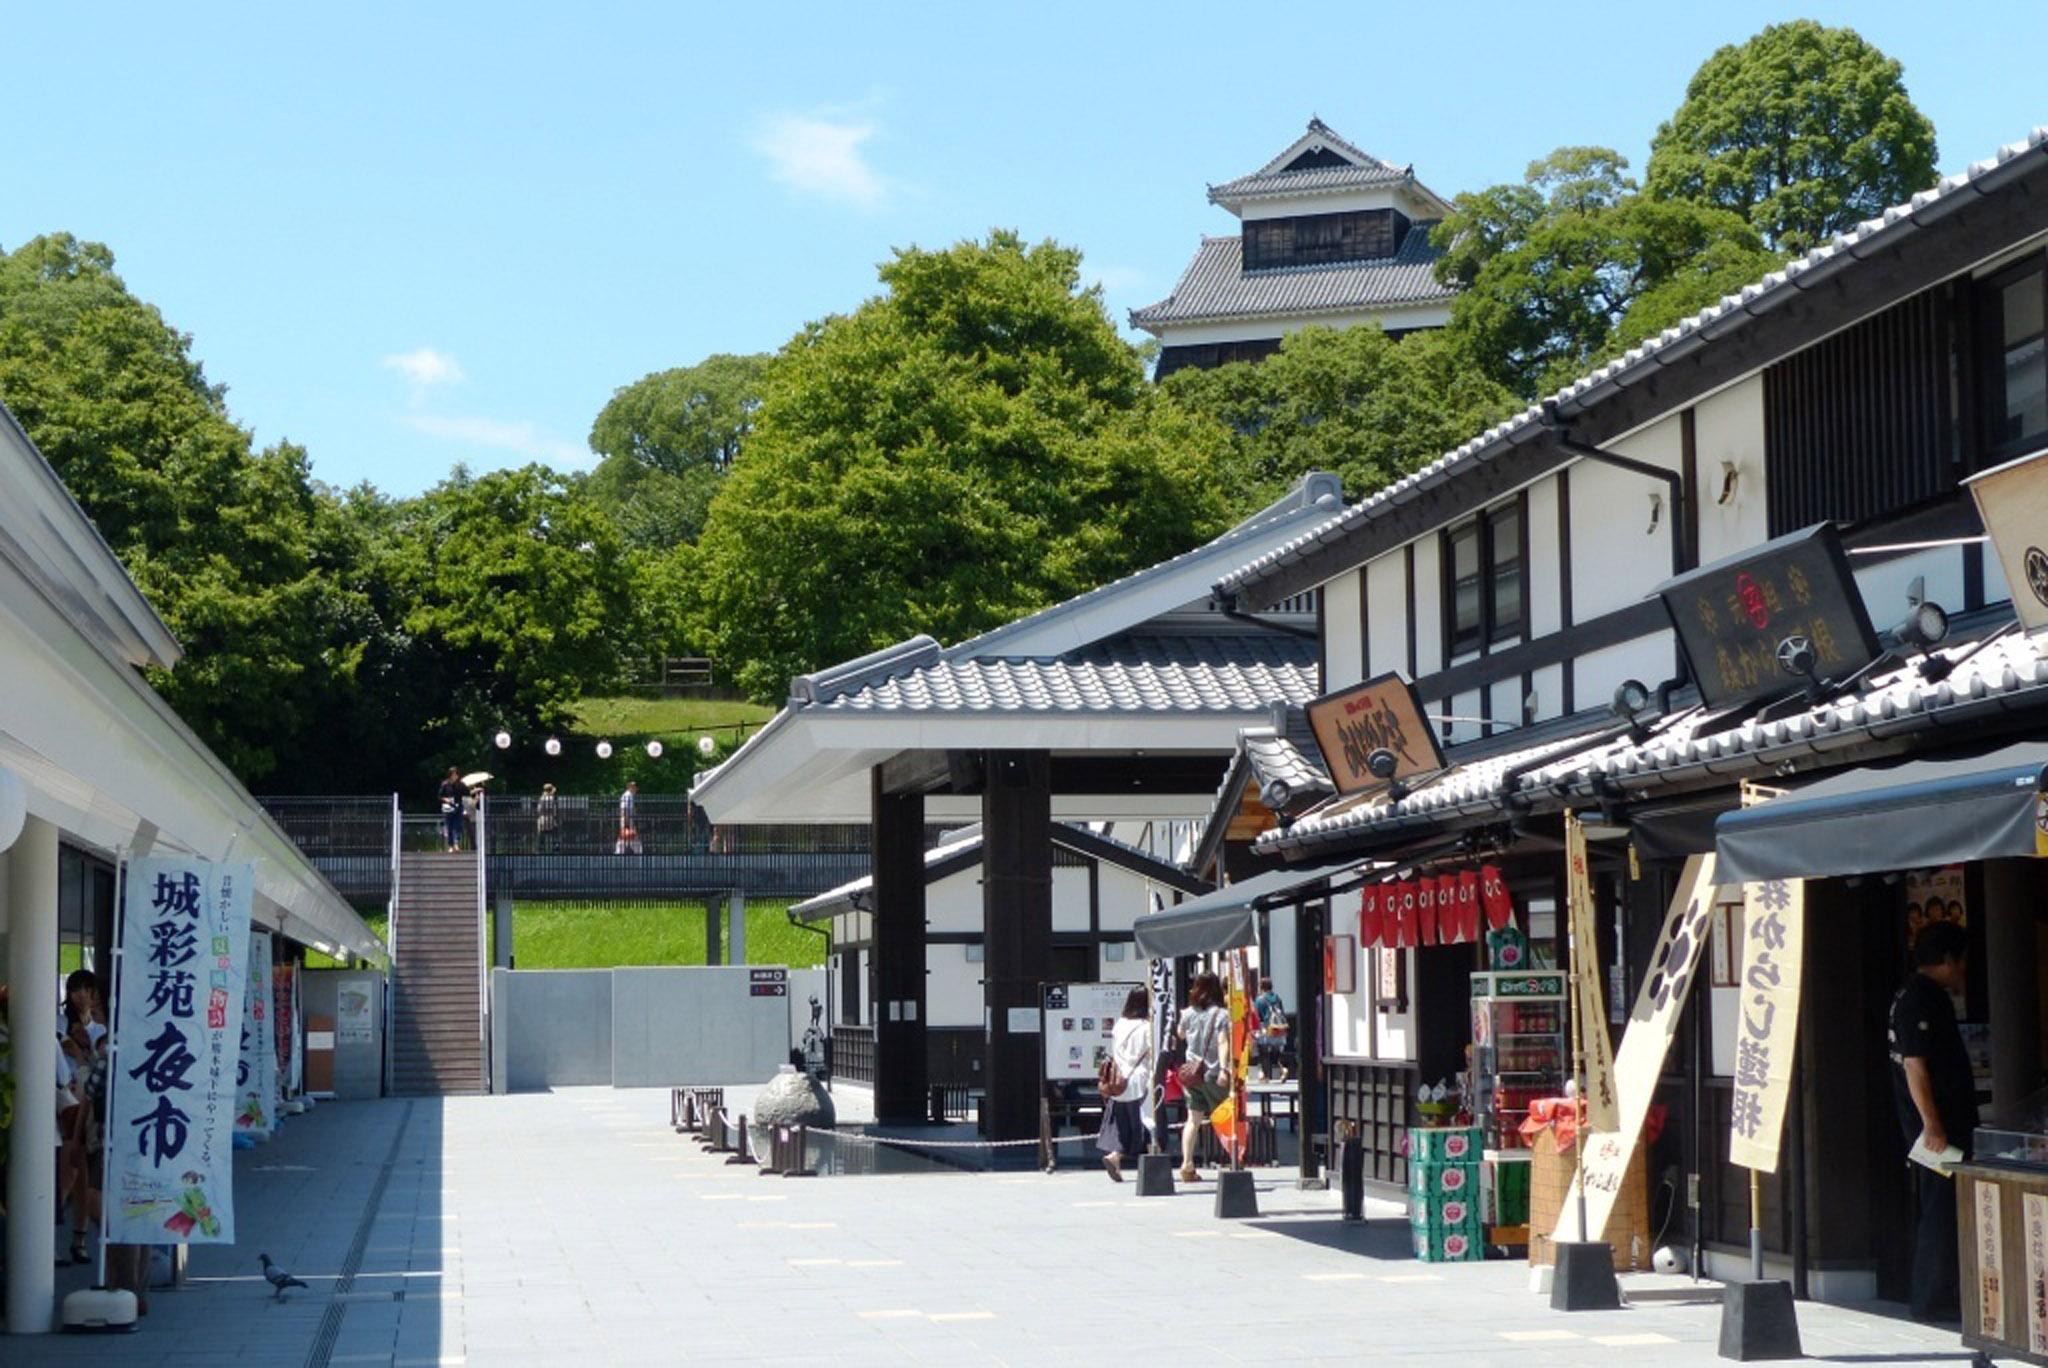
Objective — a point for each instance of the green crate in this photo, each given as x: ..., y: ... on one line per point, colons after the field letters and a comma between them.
x: 1505, y: 1193
x: 1444, y: 1145
x: 1434, y: 1245
x: 1447, y: 1214
x: 1447, y: 1180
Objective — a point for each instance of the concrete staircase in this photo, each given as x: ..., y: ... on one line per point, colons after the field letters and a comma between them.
x: 437, y: 1045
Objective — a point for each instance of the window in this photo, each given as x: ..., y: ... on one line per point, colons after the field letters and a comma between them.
x: 1322, y: 239
x: 1483, y: 569
x: 2014, y: 359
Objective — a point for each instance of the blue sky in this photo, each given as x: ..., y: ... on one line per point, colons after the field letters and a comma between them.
x: 413, y: 235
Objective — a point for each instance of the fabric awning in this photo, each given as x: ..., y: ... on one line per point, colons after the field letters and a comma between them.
x: 1881, y: 818
x: 1228, y: 918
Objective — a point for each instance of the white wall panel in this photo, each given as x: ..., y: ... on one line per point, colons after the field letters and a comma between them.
x: 1070, y: 898
x: 1884, y: 585
x: 1649, y: 660
x: 1428, y: 609
x: 1125, y: 897
x: 954, y: 902
x: 1343, y: 650
x: 1549, y: 684
x: 952, y: 987
x: 1387, y: 616
x: 1542, y: 577
x: 1728, y: 430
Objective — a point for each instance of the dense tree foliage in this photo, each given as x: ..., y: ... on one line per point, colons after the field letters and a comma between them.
x: 1356, y: 402
x: 666, y: 441
x: 1804, y: 131
x: 969, y: 446
x: 1574, y: 263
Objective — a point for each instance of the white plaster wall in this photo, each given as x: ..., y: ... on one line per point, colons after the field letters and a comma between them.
x: 1650, y: 660
x: 1996, y: 590
x: 1507, y: 701
x: 1125, y: 897
x: 1395, y: 1029
x: 1728, y: 427
x: 1129, y: 969
x: 1883, y: 585
x: 1541, y: 578
x: 1343, y: 651
x: 1387, y: 618
x: 1459, y: 705
x: 864, y: 1010
x: 1070, y: 900
x: 1549, y: 685
x: 954, y: 902
x: 952, y: 987
x: 1279, y: 325
x: 1428, y: 607
x: 1293, y: 206
x: 1616, y: 558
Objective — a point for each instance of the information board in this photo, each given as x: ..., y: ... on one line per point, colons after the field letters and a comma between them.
x: 1733, y: 617
x: 1080, y: 1019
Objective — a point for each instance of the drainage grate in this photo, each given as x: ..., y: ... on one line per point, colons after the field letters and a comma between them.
x: 337, y: 1307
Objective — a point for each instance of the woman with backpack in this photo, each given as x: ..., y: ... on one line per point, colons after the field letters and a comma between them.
x: 1126, y: 1075
x: 1205, y: 1028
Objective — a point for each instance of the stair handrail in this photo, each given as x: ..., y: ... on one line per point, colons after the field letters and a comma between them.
x: 391, y: 939
x: 483, y: 980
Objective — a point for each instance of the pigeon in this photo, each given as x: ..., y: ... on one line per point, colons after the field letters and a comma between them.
x: 278, y: 1278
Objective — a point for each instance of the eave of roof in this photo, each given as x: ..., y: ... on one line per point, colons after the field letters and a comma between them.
x: 1215, y: 288
x: 1253, y: 583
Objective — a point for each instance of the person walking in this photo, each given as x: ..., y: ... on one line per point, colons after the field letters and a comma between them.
x: 629, y: 820
x: 1272, y: 1032
x: 1130, y: 1055
x: 1936, y: 1101
x: 1205, y: 1032
x: 545, y: 819
x: 451, y: 809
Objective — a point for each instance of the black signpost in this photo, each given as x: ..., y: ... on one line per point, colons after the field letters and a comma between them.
x: 1760, y: 625
x: 768, y: 982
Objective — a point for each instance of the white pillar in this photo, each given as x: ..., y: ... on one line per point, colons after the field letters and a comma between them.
x: 30, y: 882
x: 736, y: 927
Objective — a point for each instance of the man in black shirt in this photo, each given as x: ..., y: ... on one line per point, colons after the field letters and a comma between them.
x: 1936, y: 1100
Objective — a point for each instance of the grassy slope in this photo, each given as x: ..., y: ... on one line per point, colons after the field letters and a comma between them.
x: 600, y: 936
x: 629, y: 724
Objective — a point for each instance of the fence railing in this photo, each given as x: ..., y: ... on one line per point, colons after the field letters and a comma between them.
x: 853, y: 1053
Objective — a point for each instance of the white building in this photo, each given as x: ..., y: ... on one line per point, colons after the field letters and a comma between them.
x: 1332, y: 237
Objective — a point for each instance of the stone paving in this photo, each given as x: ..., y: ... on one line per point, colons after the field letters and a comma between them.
x: 576, y: 1228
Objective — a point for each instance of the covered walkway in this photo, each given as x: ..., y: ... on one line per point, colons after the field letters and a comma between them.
x: 575, y: 1227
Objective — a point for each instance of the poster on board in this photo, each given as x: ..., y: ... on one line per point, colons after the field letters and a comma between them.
x: 171, y: 1091
x: 1080, y: 1018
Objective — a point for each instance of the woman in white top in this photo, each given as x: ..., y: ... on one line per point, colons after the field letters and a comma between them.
x: 1130, y: 1049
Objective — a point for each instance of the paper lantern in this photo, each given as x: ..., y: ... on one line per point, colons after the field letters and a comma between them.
x: 1493, y: 895
x: 604, y: 750
x: 705, y: 745
x: 1369, y: 916
x: 553, y: 745
x: 654, y: 750
x: 1468, y: 904
x: 504, y: 740
x: 1425, y: 910
x: 1405, y: 914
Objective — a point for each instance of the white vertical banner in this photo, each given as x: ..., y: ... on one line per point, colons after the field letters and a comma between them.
x: 1767, y: 1019
x: 256, y: 1075
x: 172, y: 1090
x: 1601, y: 1112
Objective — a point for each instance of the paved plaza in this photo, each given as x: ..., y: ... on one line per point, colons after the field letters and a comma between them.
x: 576, y: 1228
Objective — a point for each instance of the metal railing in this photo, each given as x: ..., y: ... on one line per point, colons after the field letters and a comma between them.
x: 853, y: 1052
x: 483, y: 932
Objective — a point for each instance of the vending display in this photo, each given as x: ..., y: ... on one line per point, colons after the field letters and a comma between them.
x: 1518, y: 1049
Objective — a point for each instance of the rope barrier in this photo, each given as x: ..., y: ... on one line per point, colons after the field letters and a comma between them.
x: 859, y: 1137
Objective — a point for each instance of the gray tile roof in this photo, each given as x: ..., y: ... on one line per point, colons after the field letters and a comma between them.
x: 1286, y: 777
x: 1867, y: 239
x: 1208, y: 672
x: 2006, y: 676
x: 1216, y: 286
x: 1273, y: 179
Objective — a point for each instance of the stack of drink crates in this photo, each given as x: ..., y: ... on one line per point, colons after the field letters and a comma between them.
x: 1443, y: 1193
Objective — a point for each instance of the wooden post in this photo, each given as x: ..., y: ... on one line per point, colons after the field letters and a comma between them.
x: 1016, y: 903
x: 1311, y: 924
x: 898, y: 959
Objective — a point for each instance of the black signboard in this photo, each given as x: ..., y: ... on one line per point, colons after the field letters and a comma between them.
x: 1761, y: 624
x: 768, y: 983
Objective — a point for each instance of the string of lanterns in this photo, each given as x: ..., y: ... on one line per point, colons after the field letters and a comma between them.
x: 1439, y: 910
x: 706, y: 746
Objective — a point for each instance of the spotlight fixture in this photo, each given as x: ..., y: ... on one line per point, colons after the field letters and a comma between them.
x: 1925, y: 625
x: 1382, y: 764
x: 1631, y: 700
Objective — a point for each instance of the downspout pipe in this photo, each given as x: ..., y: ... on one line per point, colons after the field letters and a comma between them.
x: 1560, y: 432
x: 1227, y: 603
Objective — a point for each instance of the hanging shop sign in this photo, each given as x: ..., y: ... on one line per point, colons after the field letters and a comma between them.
x: 1747, y: 625
x: 171, y: 1086
x: 2034, y: 1215
x: 1380, y: 714
x: 2012, y: 501
x: 1990, y: 1287
x: 1767, y: 1019
x: 1601, y: 1112
x: 1639, y: 1063
x: 1934, y: 895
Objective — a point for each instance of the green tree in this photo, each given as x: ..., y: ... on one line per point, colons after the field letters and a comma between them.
x: 1356, y: 402
x: 678, y: 419
x: 653, y: 508
x: 517, y: 599
x: 1803, y: 130
x: 1563, y: 269
x: 973, y: 444
x: 222, y: 538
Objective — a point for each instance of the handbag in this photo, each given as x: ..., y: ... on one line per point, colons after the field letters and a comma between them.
x: 1192, y: 1072
x: 1110, y: 1080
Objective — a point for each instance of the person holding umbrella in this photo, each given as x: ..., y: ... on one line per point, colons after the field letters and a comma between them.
x: 451, y: 809
x: 473, y: 800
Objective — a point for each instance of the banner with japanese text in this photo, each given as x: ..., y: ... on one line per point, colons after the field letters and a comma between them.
x: 1601, y: 1112
x: 1767, y: 1022
x: 256, y: 1105
x: 171, y: 1099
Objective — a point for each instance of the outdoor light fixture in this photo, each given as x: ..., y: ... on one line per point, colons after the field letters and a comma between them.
x: 1797, y: 657
x: 1383, y: 764
x: 705, y: 745
x: 1631, y: 697
x: 1924, y: 626
x: 552, y: 746
x: 504, y: 740
x: 654, y: 750
x: 604, y: 750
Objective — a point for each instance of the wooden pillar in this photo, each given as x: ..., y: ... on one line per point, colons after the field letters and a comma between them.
x: 1016, y: 912
x: 714, y: 917
x: 2012, y: 985
x: 28, y: 872
x: 1311, y: 924
x: 897, y: 963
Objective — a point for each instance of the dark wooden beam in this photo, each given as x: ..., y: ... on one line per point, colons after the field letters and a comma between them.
x: 897, y: 963
x: 1016, y: 911
x: 913, y: 772
x: 1733, y: 347
x: 1089, y: 775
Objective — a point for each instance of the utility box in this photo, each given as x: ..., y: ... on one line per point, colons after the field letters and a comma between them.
x: 344, y: 1011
